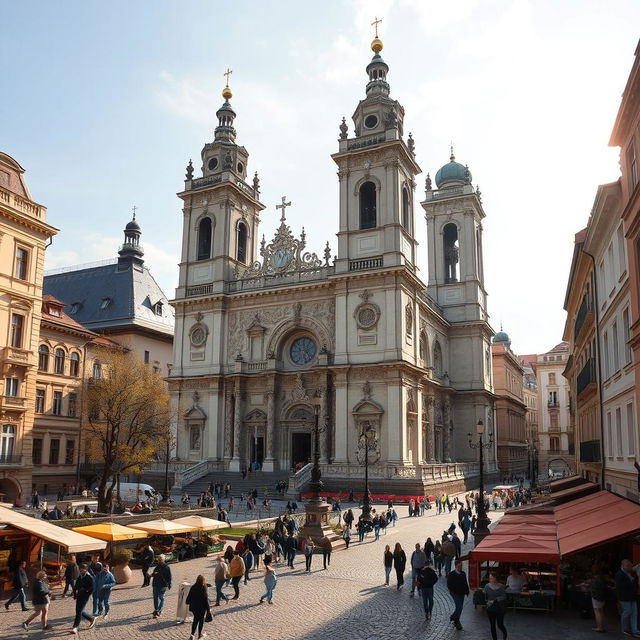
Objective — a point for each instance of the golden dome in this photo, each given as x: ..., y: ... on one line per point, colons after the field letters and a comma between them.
x: 376, y: 45
x: 226, y: 93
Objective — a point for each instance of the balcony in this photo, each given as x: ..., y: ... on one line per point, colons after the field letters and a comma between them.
x: 10, y: 461
x: 14, y: 356
x: 586, y: 380
x: 553, y: 404
x: 363, y: 264
x: 585, y: 313
x: 13, y: 403
x: 590, y: 451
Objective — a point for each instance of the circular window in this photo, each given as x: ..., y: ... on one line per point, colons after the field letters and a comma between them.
x: 303, y: 350
x: 370, y: 122
x: 213, y: 163
x: 198, y: 336
x: 367, y: 317
x: 240, y: 167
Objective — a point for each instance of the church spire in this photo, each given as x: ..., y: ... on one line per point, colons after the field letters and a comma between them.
x: 377, y: 69
x: 224, y: 131
x: 131, y: 250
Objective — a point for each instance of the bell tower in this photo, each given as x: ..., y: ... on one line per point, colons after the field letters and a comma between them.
x: 376, y: 171
x: 221, y: 211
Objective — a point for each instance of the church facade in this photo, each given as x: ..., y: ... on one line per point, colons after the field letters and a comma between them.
x: 271, y: 337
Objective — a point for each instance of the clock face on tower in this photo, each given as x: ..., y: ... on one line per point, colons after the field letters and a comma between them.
x: 303, y: 350
x: 281, y: 258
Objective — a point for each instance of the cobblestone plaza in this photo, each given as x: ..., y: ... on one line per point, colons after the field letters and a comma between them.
x: 346, y: 602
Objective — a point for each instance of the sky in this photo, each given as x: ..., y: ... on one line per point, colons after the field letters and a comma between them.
x: 104, y: 103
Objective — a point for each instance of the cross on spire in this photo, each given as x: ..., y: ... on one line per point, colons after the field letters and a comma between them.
x: 227, y: 73
x: 283, y: 206
x: 375, y: 24
x: 134, y: 211
x: 452, y: 157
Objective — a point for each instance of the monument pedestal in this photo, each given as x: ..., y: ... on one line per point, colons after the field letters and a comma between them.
x: 317, y: 525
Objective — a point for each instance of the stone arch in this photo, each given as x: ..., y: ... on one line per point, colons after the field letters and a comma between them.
x: 12, y: 489
x: 369, y: 178
x: 438, y: 362
x: 287, y: 328
x: 367, y: 411
x: 204, y: 241
x: 423, y: 348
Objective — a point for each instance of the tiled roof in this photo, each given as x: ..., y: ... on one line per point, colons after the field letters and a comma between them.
x: 63, y: 318
x: 111, y: 296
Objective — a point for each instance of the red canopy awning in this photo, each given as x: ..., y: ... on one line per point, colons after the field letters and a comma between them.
x: 565, y: 483
x: 517, y: 547
x: 572, y: 493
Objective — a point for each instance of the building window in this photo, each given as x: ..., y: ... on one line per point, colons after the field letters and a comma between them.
x: 74, y: 365
x: 204, y: 239
x: 70, y: 451
x: 146, y: 357
x: 40, y: 400
x: 241, y: 252
x: 631, y: 429
x: 194, y: 433
x: 609, y: 443
x: 451, y: 252
x: 368, y: 215
x: 607, y: 361
x: 36, y: 453
x: 97, y: 370
x: 553, y: 418
x: 43, y: 358
x: 58, y: 365
x: 625, y: 336
x: 622, y: 257
x: 56, y: 408
x: 437, y: 359
x: 633, y: 166
x: 7, y: 442
x: 553, y: 398
x: 405, y: 209
x: 157, y: 308
x: 11, y: 387
x: 616, y: 347
x: 618, y: 432
x: 54, y: 451
x: 17, y: 326
x: 423, y: 347
x: 552, y: 378
x: 22, y: 263
x: 73, y: 405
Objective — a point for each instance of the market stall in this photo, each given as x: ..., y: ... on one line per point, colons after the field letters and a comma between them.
x: 165, y: 537
x: 206, y: 542
x: 111, y: 532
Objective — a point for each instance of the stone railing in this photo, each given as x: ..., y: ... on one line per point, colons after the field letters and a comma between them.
x: 429, y: 473
x: 199, y: 290
x: 299, y: 480
x: 299, y: 276
x: 193, y: 473
x: 20, y: 203
x: 175, y: 466
x: 365, y: 263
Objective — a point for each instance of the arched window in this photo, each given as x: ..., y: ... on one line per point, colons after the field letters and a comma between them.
x: 74, y: 365
x: 97, y: 370
x: 241, y: 252
x: 7, y: 441
x: 437, y: 359
x: 423, y: 347
x: 406, y: 217
x: 204, y: 239
x: 368, y: 206
x: 43, y: 357
x: 59, y: 361
x: 450, y: 240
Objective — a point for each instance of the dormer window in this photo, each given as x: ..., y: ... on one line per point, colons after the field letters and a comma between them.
x: 105, y: 303
x: 157, y: 308
x: 54, y: 311
x: 75, y: 307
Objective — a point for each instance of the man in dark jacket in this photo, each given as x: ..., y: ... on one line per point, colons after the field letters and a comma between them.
x: 426, y: 579
x: 94, y: 570
x: 146, y: 558
x: 459, y: 589
x: 20, y: 584
x: 82, y: 591
x: 71, y: 573
x: 626, y: 591
x: 290, y: 545
x: 160, y: 582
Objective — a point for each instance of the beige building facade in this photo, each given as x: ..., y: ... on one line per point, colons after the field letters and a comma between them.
x: 24, y: 236
x: 264, y: 328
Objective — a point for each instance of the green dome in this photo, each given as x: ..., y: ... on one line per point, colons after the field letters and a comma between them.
x: 501, y: 336
x: 453, y: 172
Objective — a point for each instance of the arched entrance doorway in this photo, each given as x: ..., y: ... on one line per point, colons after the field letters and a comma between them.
x: 300, y: 422
x: 255, y: 432
x: 9, y: 490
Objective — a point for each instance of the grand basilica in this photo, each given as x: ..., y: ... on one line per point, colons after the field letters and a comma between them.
x: 272, y: 338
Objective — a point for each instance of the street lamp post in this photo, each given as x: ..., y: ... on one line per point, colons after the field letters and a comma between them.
x: 316, y: 475
x: 483, y: 522
x: 367, y: 438
x: 165, y: 492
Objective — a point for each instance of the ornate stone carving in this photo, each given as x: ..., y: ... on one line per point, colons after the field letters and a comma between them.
x: 299, y: 393
x: 408, y: 318
x: 366, y: 391
x: 367, y: 313
x: 228, y: 424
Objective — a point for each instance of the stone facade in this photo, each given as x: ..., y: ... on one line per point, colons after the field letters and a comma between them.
x: 24, y: 234
x: 267, y: 331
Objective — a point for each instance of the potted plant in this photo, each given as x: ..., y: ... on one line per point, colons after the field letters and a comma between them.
x: 121, y: 569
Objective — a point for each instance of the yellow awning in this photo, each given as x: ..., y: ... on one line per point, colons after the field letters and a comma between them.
x: 162, y: 526
x: 111, y: 532
x: 202, y: 523
x: 72, y: 541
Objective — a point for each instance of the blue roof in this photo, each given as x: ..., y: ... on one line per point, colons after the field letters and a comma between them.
x: 452, y: 172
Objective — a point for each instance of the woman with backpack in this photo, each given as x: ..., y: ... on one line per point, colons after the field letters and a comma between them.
x: 496, y: 596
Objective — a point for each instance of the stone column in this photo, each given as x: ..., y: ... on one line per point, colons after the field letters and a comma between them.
x: 343, y: 418
x: 324, y: 427
x: 430, y: 430
x: 446, y: 430
x: 228, y: 425
x: 419, y: 456
x: 234, y: 465
x: 268, y: 464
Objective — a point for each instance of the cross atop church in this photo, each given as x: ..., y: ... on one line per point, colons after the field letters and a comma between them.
x: 375, y: 24
x: 227, y: 73
x: 134, y: 211
x: 283, y: 206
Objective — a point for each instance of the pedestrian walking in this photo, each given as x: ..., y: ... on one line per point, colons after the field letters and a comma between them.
x: 41, y: 599
x: 221, y: 575
x: 147, y: 559
x: 457, y: 544
x: 270, y: 581
x: 418, y: 559
x: 626, y: 582
x: 20, y: 584
x: 308, y: 547
x: 465, y: 525
x: 290, y: 545
x: 429, y: 549
x: 437, y: 557
x: 71, y: 574
x: 94, y: 568
x: 103, y: 585
x: 448, y: 553
x: 247, y: 558
x: 346, y: 535
x: 598, y: 589
x: 388, y: 564
x: 459, y: 589
x: 82, y: 590
x: 425, y: 581
x: 348, y: 518
x: 236, y: 571
x: 496, y: 595
x: 399, y: 564
x: 198, y: 601
x: 160, y: 582
x: 326, y: 552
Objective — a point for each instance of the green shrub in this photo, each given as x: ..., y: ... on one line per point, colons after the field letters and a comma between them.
x: 121, y: 557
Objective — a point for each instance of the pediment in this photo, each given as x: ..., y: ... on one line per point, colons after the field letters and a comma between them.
x: 195, y: 414
x: 369, y: 407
